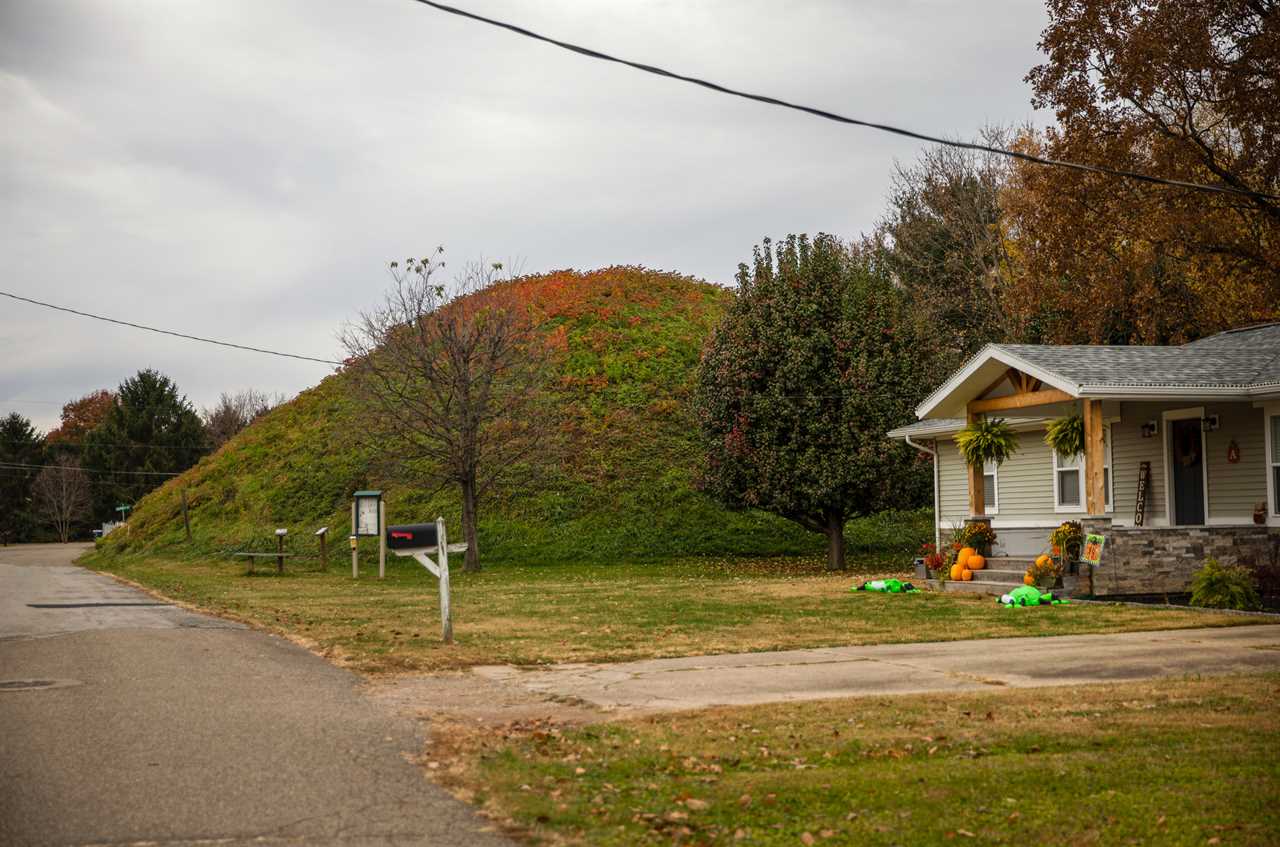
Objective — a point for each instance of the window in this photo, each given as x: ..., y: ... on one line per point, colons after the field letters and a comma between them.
x: 990, y: 488
x: 1068, y: 479
x: 1066, y: 482
x: 1275, y: 464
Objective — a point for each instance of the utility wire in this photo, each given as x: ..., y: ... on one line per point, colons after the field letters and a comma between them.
x: 23, y: 466
x: 169, y: 332
x: 833, y: 116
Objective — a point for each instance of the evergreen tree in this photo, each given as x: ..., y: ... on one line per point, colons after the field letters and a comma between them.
x: 817, y: 357
x: 20, y: 444
x: 150, y: 428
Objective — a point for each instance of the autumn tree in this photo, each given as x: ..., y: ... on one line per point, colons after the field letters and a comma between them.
x: 1184, y: 89
x: 21, y: 452
x: 79, y: 417
x: 816, y: 359
x: 945, y: 241
x: 452, y: 375
x: 234, y: 412
x: 150, y: 432
x: 61, y: 495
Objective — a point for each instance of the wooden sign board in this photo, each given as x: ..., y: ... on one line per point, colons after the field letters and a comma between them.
x: 1140, y: 504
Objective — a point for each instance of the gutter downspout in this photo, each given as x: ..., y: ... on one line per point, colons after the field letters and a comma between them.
x: 937, y: 532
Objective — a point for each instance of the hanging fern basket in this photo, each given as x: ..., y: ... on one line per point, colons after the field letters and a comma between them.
x: 1066, y: 436
x: 986, y: 440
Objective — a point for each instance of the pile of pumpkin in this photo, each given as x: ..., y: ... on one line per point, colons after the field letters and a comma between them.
x: 968, y: 560
x: 1043, y: 564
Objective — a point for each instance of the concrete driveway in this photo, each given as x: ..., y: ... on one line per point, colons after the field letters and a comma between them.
x: 702, y: 681
x: 148, y: 723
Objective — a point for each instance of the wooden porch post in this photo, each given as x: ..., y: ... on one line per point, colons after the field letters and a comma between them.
x: 1094, y: 452
x: 977, y: 496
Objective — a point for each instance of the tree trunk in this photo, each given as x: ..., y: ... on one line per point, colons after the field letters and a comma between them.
x: 472, y: 561
x: 835, y: 542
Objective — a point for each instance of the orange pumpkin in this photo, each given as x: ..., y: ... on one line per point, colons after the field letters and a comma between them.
x: 1028, y: 579
x: 966, y: 574
x: 976, y: 562
x: 1043, y: 560
x: 956, y: 570
x: 966, y: 552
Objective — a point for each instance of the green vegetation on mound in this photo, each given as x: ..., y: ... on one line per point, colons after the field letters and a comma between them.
x: 620, y: 487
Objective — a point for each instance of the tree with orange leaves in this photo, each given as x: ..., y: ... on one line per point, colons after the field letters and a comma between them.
x: 1185, y: 89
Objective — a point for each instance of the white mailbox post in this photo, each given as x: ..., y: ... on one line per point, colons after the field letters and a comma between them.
x: 421, y: 541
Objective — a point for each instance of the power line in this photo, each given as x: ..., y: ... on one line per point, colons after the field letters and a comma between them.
x: 170, y: 332
x: 24, y: 466
x: 844, y: 119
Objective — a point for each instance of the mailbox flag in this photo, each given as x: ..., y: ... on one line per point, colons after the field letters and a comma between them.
x: 412, y: 536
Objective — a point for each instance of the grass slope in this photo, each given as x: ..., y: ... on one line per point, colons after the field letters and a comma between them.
x: 629, y: 340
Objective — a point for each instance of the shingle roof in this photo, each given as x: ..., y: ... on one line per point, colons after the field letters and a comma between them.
x: 1243, y: 362
x: 1188, y: 366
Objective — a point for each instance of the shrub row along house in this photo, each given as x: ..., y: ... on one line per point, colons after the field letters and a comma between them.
x: 1181, y: 456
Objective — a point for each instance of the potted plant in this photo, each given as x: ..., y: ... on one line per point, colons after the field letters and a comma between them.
x: 986, y: 440
x: 1066, y: 436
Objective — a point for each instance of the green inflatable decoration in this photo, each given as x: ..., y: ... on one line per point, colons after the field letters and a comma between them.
x: 888, y: 586
x: 1027, y: 595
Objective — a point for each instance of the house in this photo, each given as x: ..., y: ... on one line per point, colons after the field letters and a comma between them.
x: 1181, y: 458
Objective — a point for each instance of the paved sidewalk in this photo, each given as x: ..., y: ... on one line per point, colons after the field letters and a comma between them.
x: 697, y: 682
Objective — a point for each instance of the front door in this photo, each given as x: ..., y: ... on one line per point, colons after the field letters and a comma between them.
x: 1186, y: 460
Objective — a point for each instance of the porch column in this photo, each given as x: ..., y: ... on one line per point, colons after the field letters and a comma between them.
x: 1094, y: 453
x: 977, y: 496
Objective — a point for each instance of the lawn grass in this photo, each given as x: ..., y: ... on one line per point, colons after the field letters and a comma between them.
x: 1174, y: 761
x: 528, y: 615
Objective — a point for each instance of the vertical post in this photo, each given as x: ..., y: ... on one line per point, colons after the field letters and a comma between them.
x: 382, y: 538
x: 446, y: 616
x: 355, y: 544
x: 186, y: 520
x: 279, y: 552
x: 324, y: 549
x: 1094, y: 456
x: 977, y: 496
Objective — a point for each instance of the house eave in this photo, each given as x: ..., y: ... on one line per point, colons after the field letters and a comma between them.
x: 990, y: 353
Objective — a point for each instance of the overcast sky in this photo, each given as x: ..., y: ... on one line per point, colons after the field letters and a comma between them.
x: 244, y: 169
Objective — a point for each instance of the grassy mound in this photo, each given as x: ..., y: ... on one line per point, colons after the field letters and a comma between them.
x: 629, y: 340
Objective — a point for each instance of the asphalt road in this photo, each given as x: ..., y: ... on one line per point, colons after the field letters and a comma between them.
x: 154, y: 724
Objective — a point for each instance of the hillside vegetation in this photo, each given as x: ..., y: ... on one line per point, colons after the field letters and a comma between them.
x: 619, y: 486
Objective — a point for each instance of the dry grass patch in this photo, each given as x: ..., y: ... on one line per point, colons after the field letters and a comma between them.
x: 530, y: 615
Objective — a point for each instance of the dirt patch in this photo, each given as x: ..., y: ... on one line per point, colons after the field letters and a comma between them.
x: 466, y: 697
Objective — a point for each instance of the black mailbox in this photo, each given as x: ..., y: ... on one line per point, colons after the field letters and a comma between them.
x: 411, y: 536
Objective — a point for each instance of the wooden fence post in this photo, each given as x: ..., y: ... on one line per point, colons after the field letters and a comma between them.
x: 186, y: 519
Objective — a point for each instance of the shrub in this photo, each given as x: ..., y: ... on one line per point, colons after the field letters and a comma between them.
x: 1219, y: 586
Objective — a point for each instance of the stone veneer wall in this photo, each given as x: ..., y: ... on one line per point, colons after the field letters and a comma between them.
x: 1159, y: 560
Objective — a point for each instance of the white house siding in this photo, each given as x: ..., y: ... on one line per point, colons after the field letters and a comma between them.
x: 1234, y: 489
x: 1128, y: 450
x: 1025, y: 483
x: 1026, y: 511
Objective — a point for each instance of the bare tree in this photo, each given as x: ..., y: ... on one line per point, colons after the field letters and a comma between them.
x: 453, y: 376
x: 236, y: 411
x: 61, y: 494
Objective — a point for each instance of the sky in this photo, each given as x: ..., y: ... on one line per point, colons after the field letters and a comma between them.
x: 245, y: 169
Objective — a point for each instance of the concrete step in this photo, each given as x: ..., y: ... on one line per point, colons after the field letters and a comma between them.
x: 961, y: 586
x: 993, y: 575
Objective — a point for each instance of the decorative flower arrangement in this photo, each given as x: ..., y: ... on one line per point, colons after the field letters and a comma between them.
x: 979, y: 536
x: 1067, y: 540
x: 933, y: 560
x: 1066, y: 436
x: 986, y: 440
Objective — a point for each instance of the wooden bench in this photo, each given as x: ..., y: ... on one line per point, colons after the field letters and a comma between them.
x: 254, y: 557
